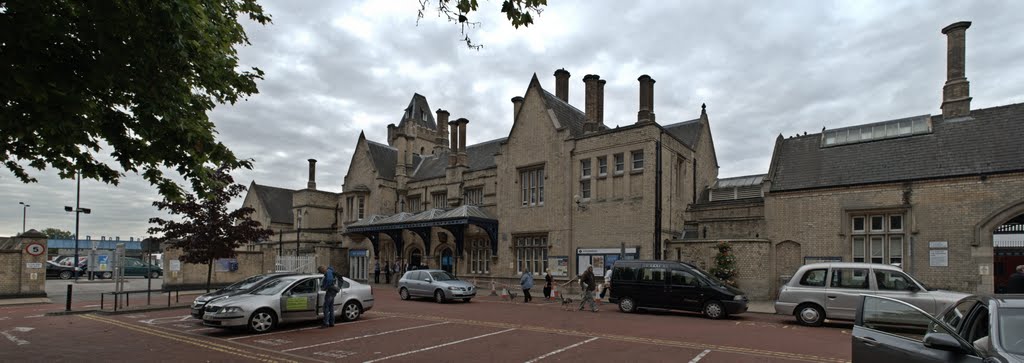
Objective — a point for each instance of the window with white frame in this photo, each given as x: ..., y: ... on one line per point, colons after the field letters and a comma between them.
x: 362, y: 207
x: 620, y: 163
x: 531, y: 254
x: 585, y: 168
x: 440, y: 200
x: 479, y: 256
x: 531, y: 183
x: 638, y: 160
x: 602, y: 166
x: 878, y: 238
x: 475, y: 196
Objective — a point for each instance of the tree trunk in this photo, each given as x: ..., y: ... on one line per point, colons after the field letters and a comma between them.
x: 209, y: 274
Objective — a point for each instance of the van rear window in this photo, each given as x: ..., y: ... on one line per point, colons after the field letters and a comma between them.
x: 814, y: 277
x: 650, y: 274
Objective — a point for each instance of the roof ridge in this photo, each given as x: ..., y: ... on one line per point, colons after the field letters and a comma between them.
x: 681, y: 123
x: 743, y: 176
x: 381, y: 144
x: 273, y: 187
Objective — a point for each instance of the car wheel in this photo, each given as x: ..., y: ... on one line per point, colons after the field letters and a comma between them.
x: 714, y: 310
x: 351, y: 311
x: 154, y: 275
x: 465, y: 300
x: 107, y: 275
x: 627, y: 305
x: 810, y: 315
x: 439, y: 296
x: 403, y: 293
x: 65, y: 275
x: 262, y: 321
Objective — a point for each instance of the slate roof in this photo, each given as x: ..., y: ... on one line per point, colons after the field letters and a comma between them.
x: 419, y: 112
x: 568, y: 115
x: 687, y: 131
x: 384, y: 159
x: 277, y: 200
x: 739, y: 181
x: 480, y: 157
x: 989, y: 141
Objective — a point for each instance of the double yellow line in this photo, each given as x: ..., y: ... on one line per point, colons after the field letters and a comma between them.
x: 189, y: 340
x: 624, y: 338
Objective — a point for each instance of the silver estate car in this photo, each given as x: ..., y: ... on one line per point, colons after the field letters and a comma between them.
x: 439, y: 284
x: 833, y: 290
x: 287, y: 299
x: 238, y: 288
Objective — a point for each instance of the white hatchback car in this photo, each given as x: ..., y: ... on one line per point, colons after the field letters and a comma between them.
x: 833, y: 290
x: 287, y: 299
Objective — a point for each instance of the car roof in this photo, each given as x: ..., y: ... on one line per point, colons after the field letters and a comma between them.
x: 1000, y: 300
x: 428, y: 270
x: 877, y: 266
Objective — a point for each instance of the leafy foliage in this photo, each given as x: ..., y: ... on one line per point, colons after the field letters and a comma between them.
x: 130, y: 78
x: 207, y: 231
x: 518, y: 12
x: 725, y: 264
x: 54, y: 233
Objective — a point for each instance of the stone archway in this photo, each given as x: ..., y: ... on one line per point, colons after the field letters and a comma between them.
x: 447, y: 260
x: 415, y: 256
x: 983, y: 246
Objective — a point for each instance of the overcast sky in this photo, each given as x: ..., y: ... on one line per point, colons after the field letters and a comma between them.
x: 763, y: 69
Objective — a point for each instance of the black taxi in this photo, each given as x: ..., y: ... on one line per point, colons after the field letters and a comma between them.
x: 672, y: 285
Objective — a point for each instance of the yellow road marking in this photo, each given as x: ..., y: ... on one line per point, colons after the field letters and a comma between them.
x: 623, y: 338
x: 189, y: 340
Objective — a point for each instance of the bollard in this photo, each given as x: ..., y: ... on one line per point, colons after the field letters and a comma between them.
x: 67, y: 306
x: 168, y: 298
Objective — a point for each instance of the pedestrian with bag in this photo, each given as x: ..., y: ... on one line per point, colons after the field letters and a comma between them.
x: 548, y: 282
x: 331, y: 287
x: 588, y: 287
x: 607, y: 281
x: 376, y: 272
x: 526, y: 281
x: 387, y: 272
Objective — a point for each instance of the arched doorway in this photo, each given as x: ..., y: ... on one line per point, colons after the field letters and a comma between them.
x: 415, y: 257
x: 447, y: 261
x: 1007, y: 251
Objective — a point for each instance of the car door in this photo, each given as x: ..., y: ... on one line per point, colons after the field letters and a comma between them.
x: 299, y: 301
x: 684, y: 291
x: 652, y: 287
x: 843, y: 294
x: 889, y: 330
x: 899, y: 286
x: 133, y: 267
x: 416, y: 283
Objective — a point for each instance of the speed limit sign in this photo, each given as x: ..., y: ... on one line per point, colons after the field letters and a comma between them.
x: 35, y: 249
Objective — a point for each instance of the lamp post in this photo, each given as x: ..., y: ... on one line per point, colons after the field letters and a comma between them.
x: 78, y: 210
x: 24, y: 214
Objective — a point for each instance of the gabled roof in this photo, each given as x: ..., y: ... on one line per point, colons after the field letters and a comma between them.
x: 480, y: 157
x: 989, y: 141
x: 418, y: 112
x: 568, y: 115
x: 278, y: 202
x: 687, y: 132
x: 384, y: 159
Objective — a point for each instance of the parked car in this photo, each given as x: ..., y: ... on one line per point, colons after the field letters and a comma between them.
x: 287, y: 299
x: 975, y: 329
x: 133, y: 266
x: 439, y: 284
x: 638, y: 284
x: 238, y: 288
x: 833, y: 290
x: 55, y: 270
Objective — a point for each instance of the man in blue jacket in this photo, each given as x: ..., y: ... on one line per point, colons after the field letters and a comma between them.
x: 331, y: 288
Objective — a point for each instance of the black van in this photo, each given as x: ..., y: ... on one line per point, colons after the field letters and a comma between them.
x: 673, y: 285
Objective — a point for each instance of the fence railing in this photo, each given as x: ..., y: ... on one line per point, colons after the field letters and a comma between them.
x: 302, y: 264
x: 126, y: 296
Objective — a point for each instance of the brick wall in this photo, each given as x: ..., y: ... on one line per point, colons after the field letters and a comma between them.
x: 16, y: 278
x: 194, y: 275
x: 752, y: 262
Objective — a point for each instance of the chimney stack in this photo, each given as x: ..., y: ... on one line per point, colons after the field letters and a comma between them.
x: 562, y: 84
x: 600, y: 102
x: 441, y: 142
x: 646, y: 113
x: 517, y: 103
x: 452, y: 157
x: 463, y: 159
x: 312, y: 174
x: 590, y: 82
x: 956, y: 94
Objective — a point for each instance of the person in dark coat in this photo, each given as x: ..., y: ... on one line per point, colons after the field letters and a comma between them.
x: 1016, y: 285
x: 387, y: 272
x: 587, y: 284
x: 548, y: 282
x: 376, y: 272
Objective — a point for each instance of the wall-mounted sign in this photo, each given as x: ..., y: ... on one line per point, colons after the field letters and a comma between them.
x: 938, y: 244
x: 938, y: 258
x: 35, y: 249
x: 559, y: 265
x: 34, y: 265
x: 603, y: 251
x: 175, y: 265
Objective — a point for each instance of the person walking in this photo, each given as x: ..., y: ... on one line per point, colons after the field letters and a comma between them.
x: 376, y: 272
x: 548, y: 282
x: 587, y: 284
x: 526, y: 281
x: 331, y: 288
x: 607, y: 281
x: 1016, y: 285
x: 387, y: 272
x: 397, y: 268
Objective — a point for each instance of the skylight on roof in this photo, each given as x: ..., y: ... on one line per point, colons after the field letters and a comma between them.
x: 878, y: 131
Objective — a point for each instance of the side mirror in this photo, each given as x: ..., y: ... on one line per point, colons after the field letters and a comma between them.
x: 427, y: 279
x: 913, y: 288
x: 943, y: 341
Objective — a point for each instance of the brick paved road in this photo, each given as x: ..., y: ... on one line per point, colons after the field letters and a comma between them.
x: 408, y: 331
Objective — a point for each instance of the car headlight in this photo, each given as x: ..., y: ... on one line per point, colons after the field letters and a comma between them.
x: 230, y: 309
x: 454, y: 288
x: 739, y: 298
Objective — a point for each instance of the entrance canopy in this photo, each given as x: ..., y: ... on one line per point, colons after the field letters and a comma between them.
x: 454, y: 220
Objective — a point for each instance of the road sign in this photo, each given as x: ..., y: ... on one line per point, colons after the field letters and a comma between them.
x: 35, y: 249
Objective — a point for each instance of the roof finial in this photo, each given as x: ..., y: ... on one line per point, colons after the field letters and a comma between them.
x: 703, y: 106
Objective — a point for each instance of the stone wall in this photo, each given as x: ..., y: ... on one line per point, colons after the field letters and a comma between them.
x: 17, y: 278
x: 753, y: 262
x: 194, y: 275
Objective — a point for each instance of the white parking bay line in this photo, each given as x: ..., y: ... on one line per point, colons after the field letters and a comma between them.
x: 439, y: 346
x: 561, y: 350
x: 301, y: 329
x: 699, y: 356
x: 365, y: 336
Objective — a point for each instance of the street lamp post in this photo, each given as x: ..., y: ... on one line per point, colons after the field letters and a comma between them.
x: 24, y: 215
x: 78, y: 210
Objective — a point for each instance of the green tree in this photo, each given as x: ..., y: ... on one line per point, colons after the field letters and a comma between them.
x: 206, y: 230
x: 133, y: 79
x: 725, y: 264
x: 54, y: 233
x: 518, y: 12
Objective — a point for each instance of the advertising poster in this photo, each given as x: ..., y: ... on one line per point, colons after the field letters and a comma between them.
x: 226, y: 264
x: 104, y: 262
x: 175, y: 265
x: 559, y: 265
x: 598, y: 262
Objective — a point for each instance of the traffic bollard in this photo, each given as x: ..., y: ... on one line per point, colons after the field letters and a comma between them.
x: 67, y: 305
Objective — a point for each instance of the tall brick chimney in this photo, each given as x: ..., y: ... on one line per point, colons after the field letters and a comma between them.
x: 591, y: 103
x: 517, y: 104
x: 956, y: 94
x: 463, y: 160
x: 646, y: 113
x: 600, y: 102
x: 311, y: 184
x: 452, y: 155
x: 562, y: 84
x: 441, y: 141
